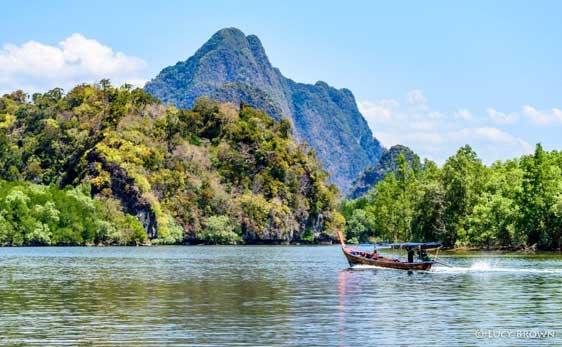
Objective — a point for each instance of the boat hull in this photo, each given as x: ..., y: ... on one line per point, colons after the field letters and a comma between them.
x: 359, y: 258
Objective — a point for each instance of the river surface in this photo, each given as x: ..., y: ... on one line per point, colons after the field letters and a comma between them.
x: 271, y: 296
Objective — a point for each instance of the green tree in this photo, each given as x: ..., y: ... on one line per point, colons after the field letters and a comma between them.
x: 220, y: 230
x: 463, y: 177
x: 361, y: 225
x: 538, y: 198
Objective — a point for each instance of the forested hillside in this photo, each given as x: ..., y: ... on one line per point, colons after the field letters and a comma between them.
x: 233, y: 67
x: 516, y: 203
x: 99, y: 164
x: 106, y: 165
x: 388, y: 163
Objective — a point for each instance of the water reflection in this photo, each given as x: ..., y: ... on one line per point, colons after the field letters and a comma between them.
x: 248, y: 296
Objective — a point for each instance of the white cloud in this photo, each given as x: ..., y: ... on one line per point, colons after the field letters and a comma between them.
x: 434, y: 134
x: 492, y: 135
x: 416, y: 98
x: 535, y: 115
x: 557, y: 114
x: 501, y: 117
x: 463, y: 114
x: 378, y: 111
x: 35, y: 66
x: 542, y: 117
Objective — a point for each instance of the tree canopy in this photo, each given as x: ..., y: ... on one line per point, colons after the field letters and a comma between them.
x: 180, y: 174
x: 465, y: 203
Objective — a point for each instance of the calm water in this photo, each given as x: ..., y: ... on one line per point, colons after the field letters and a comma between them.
x: 270, y: 296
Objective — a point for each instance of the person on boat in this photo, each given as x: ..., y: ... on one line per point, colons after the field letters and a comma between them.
x: 410, y: 255
x: 423, y: 255
x: 375, y: 254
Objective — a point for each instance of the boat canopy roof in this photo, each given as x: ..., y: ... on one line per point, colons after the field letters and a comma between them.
x: 410, y: 245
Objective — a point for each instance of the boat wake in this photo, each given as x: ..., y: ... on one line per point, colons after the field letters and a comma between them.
x: 487, y: 266
x: 363, y: 266
x: 477, y: 267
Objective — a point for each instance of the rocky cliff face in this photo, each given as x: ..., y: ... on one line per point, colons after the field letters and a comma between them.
x: 214, y: 173
x: 234, y: 67
x: 387, y: 164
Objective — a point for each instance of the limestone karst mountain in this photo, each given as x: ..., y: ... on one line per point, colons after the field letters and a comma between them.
x: 234, y: 67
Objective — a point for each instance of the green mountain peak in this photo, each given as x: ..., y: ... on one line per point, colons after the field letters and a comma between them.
x: 233, y: 67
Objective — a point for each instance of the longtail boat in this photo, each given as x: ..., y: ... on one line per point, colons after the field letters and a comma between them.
x: 422, y: 263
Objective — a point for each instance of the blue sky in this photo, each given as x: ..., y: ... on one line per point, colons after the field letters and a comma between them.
x: 432, y: 75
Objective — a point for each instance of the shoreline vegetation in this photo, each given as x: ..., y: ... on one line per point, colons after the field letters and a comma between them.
x: 514, y: 204
x: 102, y: 165
x: 444, y: 251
